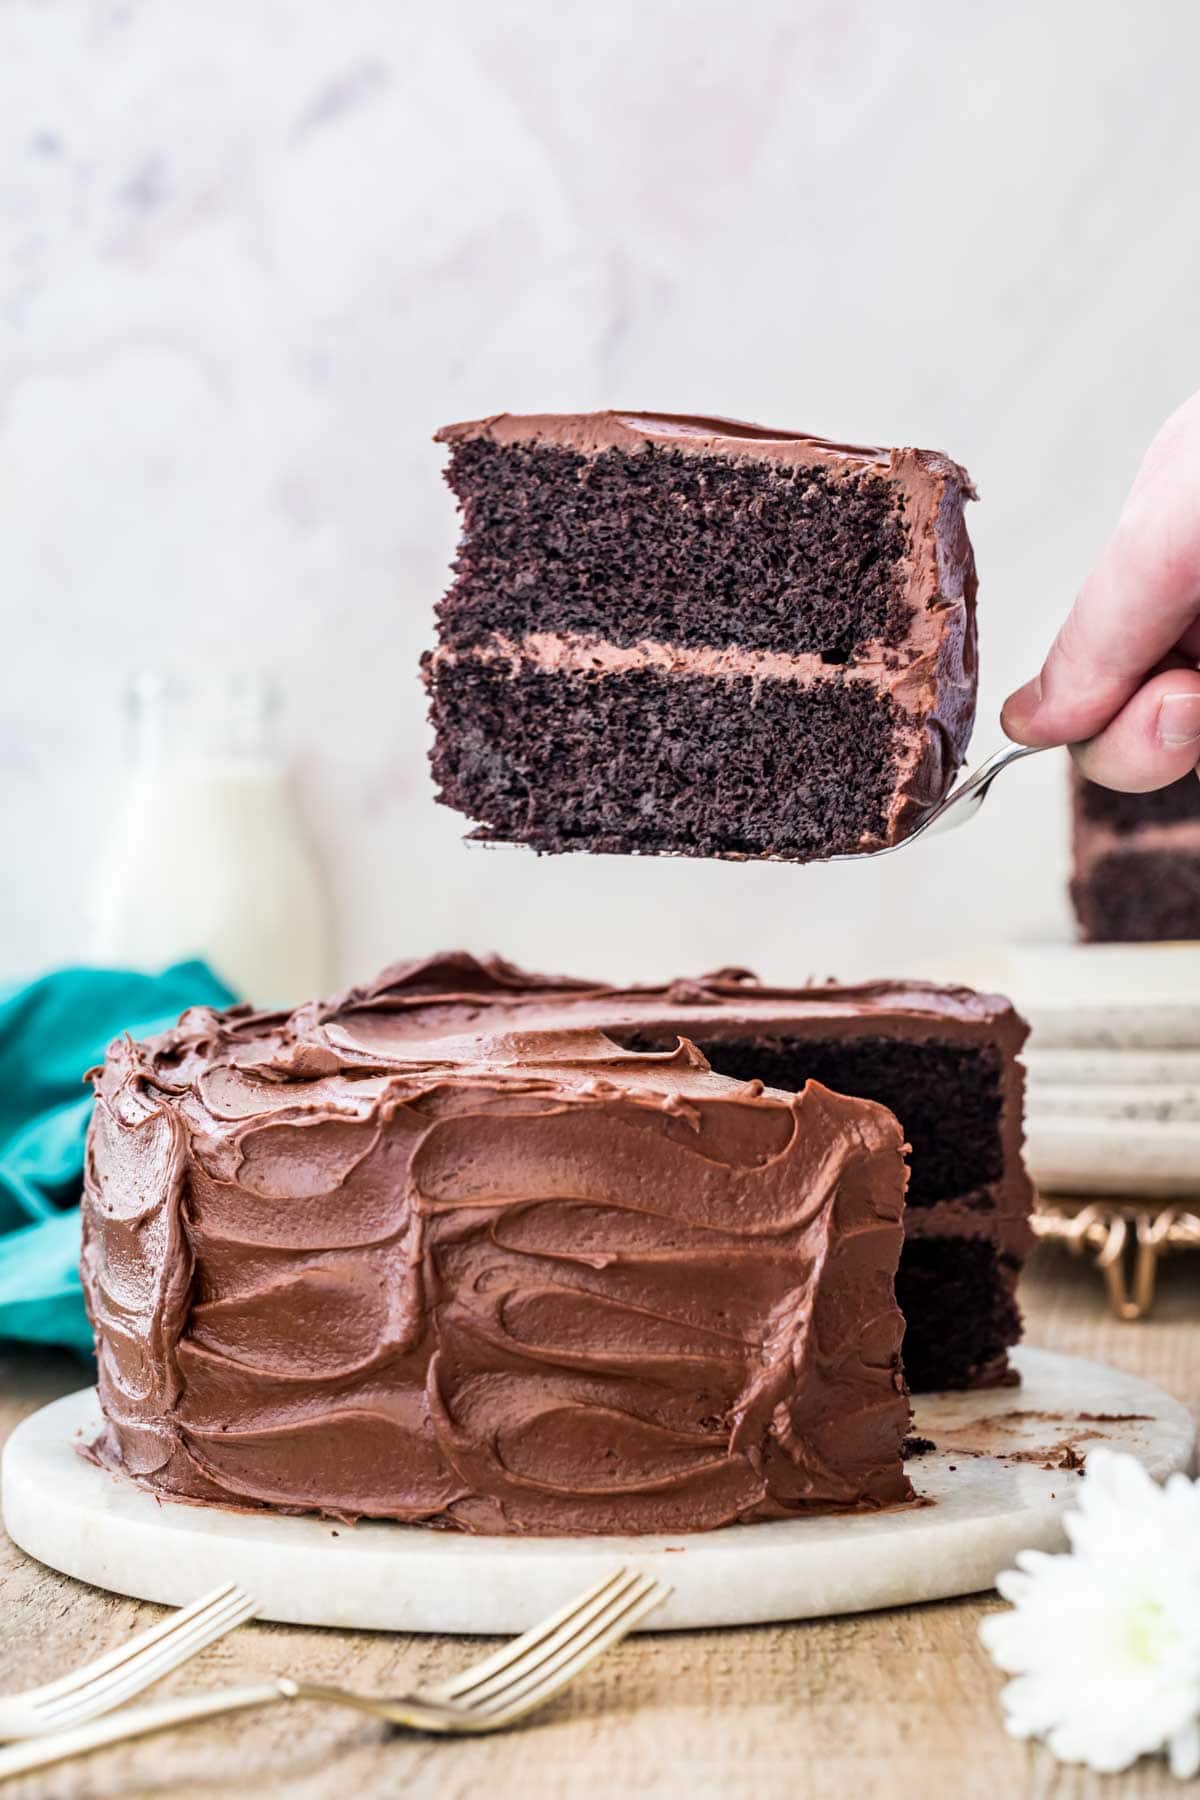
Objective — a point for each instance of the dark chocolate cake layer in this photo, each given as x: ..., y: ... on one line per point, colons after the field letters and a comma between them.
x: 674, y: 548
x: 531, y: 1282
x: 1136, y: 862
x: 643, y: 598
x: 701, y: 755
x: 1139, y: 895
x: 961, y: 1291
x: 943, y: 1059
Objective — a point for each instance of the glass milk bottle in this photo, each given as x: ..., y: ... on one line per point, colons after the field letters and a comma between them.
x: 206, y: 856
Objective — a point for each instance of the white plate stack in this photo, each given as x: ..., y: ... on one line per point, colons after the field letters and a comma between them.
x: 1113, y: 1104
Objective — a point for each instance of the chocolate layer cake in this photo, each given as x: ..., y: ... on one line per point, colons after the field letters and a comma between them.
x: 533, y: 1282
x: 943, y: 1059
x: 697, y: 637
x: 1136, y: 875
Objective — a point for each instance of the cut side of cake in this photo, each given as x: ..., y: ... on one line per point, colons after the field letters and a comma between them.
x: 678, y: 635
x: 1136, y: 862
x: 944, y: 1060
x: 526, y: 1282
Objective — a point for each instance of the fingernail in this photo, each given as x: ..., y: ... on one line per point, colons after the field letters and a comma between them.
x: 1179, y: 720
x: 1020, y: 709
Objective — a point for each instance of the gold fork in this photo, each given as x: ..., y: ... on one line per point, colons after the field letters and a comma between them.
x: 494, y: 1693
x: 133, y: 1666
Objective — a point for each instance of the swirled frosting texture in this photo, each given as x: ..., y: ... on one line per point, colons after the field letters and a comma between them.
x: 455, y: 996
x: 969, y: 1192
x: 529, y: 1282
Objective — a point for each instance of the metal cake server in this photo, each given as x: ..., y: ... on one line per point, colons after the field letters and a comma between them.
x: 964, y: 799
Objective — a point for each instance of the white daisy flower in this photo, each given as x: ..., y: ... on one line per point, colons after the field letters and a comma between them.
x: 1104, y: 1641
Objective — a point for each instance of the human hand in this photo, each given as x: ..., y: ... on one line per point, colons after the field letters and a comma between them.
x: 1121, y: 684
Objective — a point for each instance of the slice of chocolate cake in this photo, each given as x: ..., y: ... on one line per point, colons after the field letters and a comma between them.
x: 528, y: 1283
x: 1136, y: 862
x: 691, y: 636
x: 943, y: 1059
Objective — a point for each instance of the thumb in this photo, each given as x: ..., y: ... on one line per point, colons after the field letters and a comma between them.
x: 1135, y: 606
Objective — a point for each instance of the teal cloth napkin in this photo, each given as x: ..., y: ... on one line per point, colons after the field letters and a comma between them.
x: 51, y: 1031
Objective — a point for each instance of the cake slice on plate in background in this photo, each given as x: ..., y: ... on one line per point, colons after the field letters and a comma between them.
x: 676, y: 635
x: 1136, y: 863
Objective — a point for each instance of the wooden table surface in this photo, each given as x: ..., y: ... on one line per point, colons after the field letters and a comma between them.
x: 901, y: 1703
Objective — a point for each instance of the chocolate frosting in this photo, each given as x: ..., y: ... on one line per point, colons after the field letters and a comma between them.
x: 413, y: 1004
x: 509, y: 1280
x: 932, y: 677
x: 695, y: 434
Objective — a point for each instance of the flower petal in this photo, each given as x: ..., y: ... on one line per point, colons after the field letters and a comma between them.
x: 1183, y: 1751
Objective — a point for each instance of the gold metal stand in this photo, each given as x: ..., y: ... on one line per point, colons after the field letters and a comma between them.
x: 1126, y: 1239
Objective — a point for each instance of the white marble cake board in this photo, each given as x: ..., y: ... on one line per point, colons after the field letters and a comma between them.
x: 996, y: 1480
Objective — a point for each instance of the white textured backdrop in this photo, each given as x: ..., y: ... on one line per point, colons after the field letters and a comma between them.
x: 253, y: 254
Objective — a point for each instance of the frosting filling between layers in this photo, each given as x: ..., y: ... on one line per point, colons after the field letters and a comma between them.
x: 1095, y: 841
x: 576, y: 653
